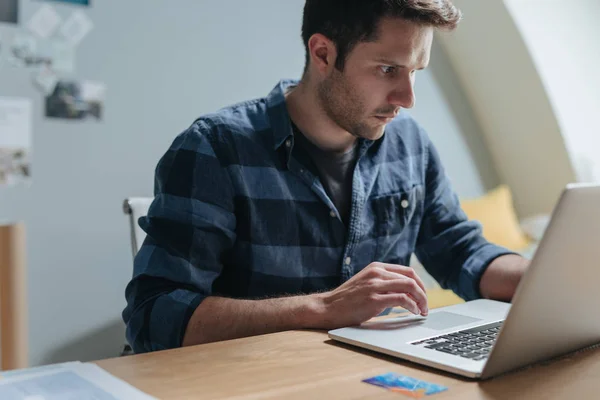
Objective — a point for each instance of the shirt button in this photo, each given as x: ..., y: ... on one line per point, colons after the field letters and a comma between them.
x: 404, y: 203
x: 332, y: 214
x: 288, y: 143
x: 348, y: 260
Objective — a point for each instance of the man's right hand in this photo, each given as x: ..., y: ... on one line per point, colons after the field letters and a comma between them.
x: 362, y: 297
x: 369, y: 292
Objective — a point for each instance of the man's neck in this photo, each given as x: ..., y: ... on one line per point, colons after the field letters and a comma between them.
x: 306, y: 112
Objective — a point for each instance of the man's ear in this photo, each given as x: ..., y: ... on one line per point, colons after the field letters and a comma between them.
x: 323, y: 54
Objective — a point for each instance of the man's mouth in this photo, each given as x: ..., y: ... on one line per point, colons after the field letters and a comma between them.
x: 386, y: 119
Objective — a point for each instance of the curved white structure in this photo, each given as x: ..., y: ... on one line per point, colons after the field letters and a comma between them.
x: 512, y: 104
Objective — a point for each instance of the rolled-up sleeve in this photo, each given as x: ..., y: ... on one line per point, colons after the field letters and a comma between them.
x: 189, y: 226
x: 449, y: 246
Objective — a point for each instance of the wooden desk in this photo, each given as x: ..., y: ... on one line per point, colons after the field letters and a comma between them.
x: 308, y: 365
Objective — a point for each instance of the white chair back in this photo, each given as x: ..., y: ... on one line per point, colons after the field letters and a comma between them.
x: 136, y: 207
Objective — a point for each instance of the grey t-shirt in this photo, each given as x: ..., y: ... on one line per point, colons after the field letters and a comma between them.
x: 335, y: 171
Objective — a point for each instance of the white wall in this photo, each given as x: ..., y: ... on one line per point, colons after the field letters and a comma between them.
x: 511, y: 104
x: 437, y: 119
x: 564, y: 41
x: 445, y: 113
x: 164, y: 64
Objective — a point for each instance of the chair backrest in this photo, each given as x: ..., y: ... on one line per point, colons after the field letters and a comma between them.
x: 136, y: 207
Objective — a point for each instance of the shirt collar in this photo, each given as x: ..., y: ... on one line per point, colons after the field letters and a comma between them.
x: 278, y: 112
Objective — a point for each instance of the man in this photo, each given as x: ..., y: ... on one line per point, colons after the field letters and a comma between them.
x: 301, y: 210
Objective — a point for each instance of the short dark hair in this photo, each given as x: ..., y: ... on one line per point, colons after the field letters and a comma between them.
x: 349, y: 22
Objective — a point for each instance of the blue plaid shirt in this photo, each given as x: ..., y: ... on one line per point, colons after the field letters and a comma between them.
x: 238, y: 212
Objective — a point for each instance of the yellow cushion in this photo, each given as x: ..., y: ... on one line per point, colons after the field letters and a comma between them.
x: 441, y: 298
x: 496, y: 213
x: 436, y: 298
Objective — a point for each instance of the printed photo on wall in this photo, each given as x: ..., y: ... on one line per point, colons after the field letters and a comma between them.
x: 14, y: 166
x: 80, y: 2
x: 76, y: 100
x: 15, y: 140
x: 9, y: 11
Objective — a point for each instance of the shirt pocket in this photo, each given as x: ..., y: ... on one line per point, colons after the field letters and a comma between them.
x: 395, y: 211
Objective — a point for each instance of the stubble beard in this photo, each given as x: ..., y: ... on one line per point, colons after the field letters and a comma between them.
x: 343, y: 106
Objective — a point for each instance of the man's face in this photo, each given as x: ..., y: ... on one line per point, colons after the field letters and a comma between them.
x: 378, y: 78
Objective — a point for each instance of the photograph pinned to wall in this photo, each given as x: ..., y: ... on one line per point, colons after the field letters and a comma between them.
x: 78, y: 2
x: 28, y: 51
x: 9, y: 11
x: 76, y: 28
x: 15, y: 140
x: 22, y: 51
x: 44, y: 22
x: 75, y: 100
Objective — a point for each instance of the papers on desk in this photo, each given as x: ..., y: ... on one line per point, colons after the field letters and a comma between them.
x: 68, y: 381
x: 34, y: 370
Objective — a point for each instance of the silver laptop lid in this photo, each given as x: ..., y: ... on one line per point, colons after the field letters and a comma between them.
x: 555, y: 309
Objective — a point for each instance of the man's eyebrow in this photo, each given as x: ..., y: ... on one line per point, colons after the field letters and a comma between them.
x: 393, y: 64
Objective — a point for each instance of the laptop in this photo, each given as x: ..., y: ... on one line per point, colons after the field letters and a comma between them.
x: 554, y: 311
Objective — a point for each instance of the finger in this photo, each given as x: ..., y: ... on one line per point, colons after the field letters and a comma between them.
x: 399, y: 299
x: 424, y: 312
x: 406, y: 271
x: 408, y: 286
x: 389, y: 275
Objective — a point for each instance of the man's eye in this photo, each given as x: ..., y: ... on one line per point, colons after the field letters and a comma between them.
x: 386, y: 69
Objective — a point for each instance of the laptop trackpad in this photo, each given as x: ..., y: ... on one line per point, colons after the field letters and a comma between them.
x: 446, y: 320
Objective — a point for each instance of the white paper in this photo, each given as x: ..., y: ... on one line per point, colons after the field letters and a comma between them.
x: 59, y: 53
x: 46, y: 80
x: 76, y: 28
x: 74, y: 382
x: 15, y: 140
x: 36, y: 370
x: 15, y: 122
x: 44, y: 22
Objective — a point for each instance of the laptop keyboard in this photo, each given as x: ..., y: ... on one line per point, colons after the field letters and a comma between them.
x: 475, y: 343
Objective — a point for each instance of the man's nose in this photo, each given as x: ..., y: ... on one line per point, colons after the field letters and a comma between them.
x: 403, y: 95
